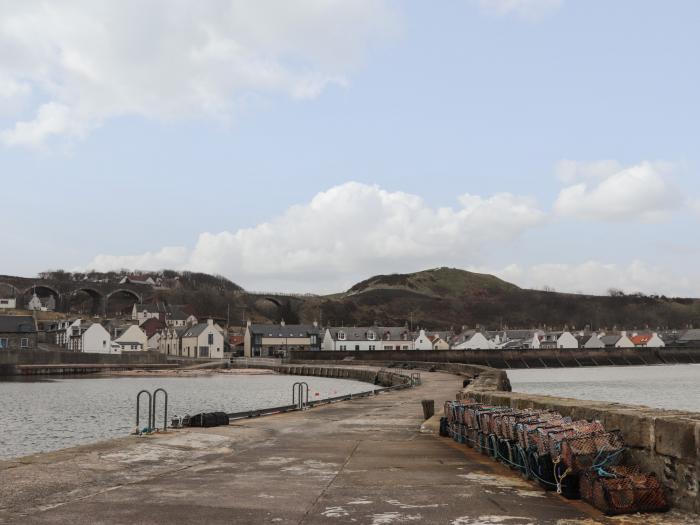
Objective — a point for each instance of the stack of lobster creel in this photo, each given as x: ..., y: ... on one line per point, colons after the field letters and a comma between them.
x: 578, y: 459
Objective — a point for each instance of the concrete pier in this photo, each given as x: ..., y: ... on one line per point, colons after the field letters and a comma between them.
x: 364, y: 462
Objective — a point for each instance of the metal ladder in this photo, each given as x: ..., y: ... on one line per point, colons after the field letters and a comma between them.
x: 298, y: 392
x: 152, y: 405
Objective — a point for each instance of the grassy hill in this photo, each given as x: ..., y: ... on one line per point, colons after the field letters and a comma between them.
x: 437, y: 298
x: 446, y: 297
x: 440, y: 282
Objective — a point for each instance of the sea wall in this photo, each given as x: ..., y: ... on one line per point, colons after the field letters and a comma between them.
x: 13, y: 362
x: 516, y: 358
x: 666, y: 442
x: 385, y: 378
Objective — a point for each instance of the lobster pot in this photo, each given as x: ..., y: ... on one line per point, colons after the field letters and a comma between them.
x: 590, y: 451
x: 472, y: 436
x: 575, y: 429
x: 623, y: 490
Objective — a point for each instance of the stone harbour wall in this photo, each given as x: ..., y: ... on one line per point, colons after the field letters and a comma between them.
x: 666, y: 442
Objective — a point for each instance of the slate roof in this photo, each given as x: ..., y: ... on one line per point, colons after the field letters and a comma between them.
x: 611, y: 339
x: 689, y: 335
x: 151, y: 307
x: 583, y: 339
x: 356, y: 333
x: 17, y: 324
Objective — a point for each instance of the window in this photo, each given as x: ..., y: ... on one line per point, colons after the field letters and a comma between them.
x: 341, y: 336
x: 211, y: 339
x: 388, y: 347
x: 343, y: 347
x: 372, y: 347
x: 357, y: 347
x: 3, y: 343
x: 24, y: 343
x: 371, y: 336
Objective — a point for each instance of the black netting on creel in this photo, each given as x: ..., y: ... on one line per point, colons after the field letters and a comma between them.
x: 575, y: 458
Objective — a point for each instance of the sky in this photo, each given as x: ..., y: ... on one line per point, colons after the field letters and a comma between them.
x: 304, y: 145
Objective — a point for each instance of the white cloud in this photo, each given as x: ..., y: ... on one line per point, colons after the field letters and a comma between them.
x: 609, y: 191
x: 345, y: 234
x: 570, y: 171
x: 530, y: 9
x: 85, y: 62
x: 595, y: 277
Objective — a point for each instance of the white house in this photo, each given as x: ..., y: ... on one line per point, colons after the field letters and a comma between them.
x: 97, y: 340
x: 564, y: 340
x: 590, y: 341
x: 439, y: 342
x: 74, y: 335
x: 367, y: 338
x: 133, y: 339
x: 8, y: 303
x: 648, y: 340
x: 170, y: 342
x: 153, y: 342
x: 423, y: 341
x: 616, y: 340
x: 361, y: 338
x: 177, y: 317
x: 517, y: 338
x: 203, y: 340
x: 472, y: 340
x: 142, y: 312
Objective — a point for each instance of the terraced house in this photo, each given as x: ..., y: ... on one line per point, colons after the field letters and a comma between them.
x: 17, y: 332
x: 270, y: 340
x: 367, y: 338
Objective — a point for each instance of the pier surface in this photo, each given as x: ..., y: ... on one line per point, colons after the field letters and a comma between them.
x: 364, y: 462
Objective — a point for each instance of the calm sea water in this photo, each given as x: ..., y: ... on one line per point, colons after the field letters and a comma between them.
x: 671, y: 387
x: 44, y: 415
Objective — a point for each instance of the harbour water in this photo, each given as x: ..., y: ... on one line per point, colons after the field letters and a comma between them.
x: 50, y: 414
x: 668, y: 386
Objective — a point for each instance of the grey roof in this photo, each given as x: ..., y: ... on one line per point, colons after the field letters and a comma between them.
x: 690, y: 335
x: 195, y: 330
x: 178, y: 314
x: 287, y: 330
x: 610, y: 339
x: 18, y: 324
x: 583, y: 339
x: 356, y: 333
x: 150, y: 307
x: 519, y: 334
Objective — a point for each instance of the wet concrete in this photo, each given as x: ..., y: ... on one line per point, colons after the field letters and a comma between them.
x: 364, y: 462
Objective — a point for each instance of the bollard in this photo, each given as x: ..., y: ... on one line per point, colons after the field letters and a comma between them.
x: 428, y: 408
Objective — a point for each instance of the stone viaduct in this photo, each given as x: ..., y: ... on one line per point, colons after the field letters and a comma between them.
x: 64, y: 292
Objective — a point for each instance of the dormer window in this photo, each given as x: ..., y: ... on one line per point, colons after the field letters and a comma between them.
x: 371, y: 336
x: 341, y: 336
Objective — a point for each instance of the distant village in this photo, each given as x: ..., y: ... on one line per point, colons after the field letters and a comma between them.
x: 176, y: 332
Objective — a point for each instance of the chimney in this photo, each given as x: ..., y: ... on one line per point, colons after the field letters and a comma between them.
x: 248, y: 322
x: 315, y: 324
x: 282, y: 323
x: 210, y: 322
